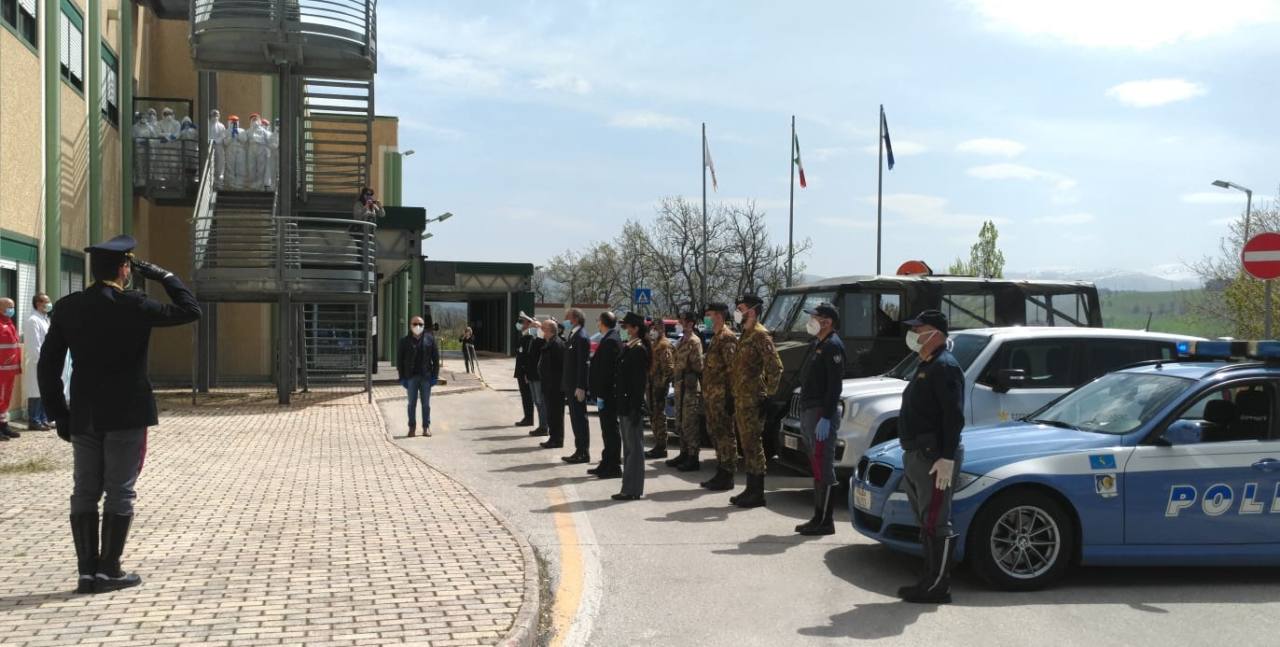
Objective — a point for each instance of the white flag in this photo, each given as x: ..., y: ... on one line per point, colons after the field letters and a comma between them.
x: 707, y: 163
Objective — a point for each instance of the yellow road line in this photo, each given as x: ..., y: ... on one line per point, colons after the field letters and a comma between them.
x: 568, y: 594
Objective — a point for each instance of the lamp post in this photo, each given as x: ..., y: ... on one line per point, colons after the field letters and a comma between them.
x: 1248, y: 211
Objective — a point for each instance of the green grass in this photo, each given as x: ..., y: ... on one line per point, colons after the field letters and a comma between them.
x: 1169, y: 311
x: 30, y: 466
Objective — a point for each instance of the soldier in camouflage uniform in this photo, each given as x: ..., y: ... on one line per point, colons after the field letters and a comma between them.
x: 661, y: 369
x: 756, y: 371
x: 688, y: 387
x: 716, y: 397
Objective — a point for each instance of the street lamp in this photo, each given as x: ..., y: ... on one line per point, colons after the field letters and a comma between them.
x: 407, y: 153
x: 428, y: 235
x: 1248, y: 209
x: 441, y: 218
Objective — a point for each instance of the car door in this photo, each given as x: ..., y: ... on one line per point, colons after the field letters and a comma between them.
x: 1050, y: 369
x: 1220, y: 484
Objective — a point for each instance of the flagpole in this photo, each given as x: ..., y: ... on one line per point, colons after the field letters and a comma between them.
x: 879, y: 187
x: 791, y: 216
x: 704, y: 214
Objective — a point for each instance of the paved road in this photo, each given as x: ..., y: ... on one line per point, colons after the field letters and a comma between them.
x: 681, y: 567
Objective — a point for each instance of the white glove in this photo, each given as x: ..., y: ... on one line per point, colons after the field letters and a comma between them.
x: 942, y: 471
x: 580, y: 394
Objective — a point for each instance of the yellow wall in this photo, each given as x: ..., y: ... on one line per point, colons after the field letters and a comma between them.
x: 21, y: 138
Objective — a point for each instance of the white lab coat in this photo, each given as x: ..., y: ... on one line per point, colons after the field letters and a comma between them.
x: 34, y: 330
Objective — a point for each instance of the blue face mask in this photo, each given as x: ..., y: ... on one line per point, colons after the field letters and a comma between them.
x: 567, y: 325
x: 626, y: 336
x: 9, y: 312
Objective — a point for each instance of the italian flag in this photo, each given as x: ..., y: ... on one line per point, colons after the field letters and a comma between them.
x: 796, y: 141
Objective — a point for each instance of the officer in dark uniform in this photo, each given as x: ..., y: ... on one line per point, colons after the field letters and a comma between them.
x: 929, y: 428
x: 107, y: 329
x: 820, y: 383
x: 523, y: 372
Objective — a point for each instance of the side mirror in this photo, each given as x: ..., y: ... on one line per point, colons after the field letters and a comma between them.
x: 1009, y: 378
x: 1181, y: 432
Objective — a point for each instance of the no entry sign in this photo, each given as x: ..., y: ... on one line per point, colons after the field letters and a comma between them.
x: 1261, y: 256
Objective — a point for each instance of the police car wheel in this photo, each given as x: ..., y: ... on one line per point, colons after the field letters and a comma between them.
x: 1021, y: 540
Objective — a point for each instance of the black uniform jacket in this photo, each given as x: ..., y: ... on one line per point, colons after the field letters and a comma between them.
x: 523, y: 368
x: 823, y: 375
x: 551, y: 363
x: 604, y: 365
x: 577, y: 355
x: 108, y: 332
x: 534, y: 356
x: 633, y: 371
x: 932, y: 413
x: 425, y: 353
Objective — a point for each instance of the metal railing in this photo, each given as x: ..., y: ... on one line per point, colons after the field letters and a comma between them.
x: 350, y: 20
x: 334, y: 340
x: 165, y: 168
x: 201, y: 221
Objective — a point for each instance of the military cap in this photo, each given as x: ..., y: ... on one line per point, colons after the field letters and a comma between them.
x: 717, y: 307
x: 935, y: 318
x: 824, y: 309
x: 119, y: 245
x: 750, y: 300
x: 632, y: 319
x: 689, y: 315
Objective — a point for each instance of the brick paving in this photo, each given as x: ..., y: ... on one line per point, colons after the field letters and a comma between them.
x: 264, y: 525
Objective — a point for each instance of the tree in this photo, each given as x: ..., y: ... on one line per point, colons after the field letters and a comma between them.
x: 985, y: 258
x: 1233, y: 303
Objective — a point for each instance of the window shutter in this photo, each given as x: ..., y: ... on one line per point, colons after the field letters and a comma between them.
x: 28, y: 6
x: 26, y: 290
x: 77, y: 52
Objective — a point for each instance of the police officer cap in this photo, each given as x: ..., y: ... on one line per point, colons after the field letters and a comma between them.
x: 717, y: 307
x: 824, y: 309
x: 750, y: 300
x: 934, y: 318
x: 118, y: 245
x: 632, y: 319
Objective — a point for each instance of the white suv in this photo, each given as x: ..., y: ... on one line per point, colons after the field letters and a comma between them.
x: 1009, y: 373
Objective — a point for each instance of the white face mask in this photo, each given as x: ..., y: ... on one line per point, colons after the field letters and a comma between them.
x: 916, y: 341
x: 679, y: 331
x: 737, y: 317
x: 812, y: 326
x: 417, y: 329
x: 519, y: 327
x: 653, y: 335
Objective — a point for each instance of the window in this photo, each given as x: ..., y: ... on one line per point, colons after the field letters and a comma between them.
x: 811, y: 301
x: 780, y: 311
x: 1057, y: 310
x: 1240, y: 411
x: 869, y: 314
x: 20, y: 15
x: 1101, y: 356
x: 110, y: 93
x: 969, y: 310
x: 1046, y: 363
x: 71, y: 49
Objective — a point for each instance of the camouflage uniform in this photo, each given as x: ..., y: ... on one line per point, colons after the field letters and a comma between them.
x: 715, y: 394
x: 756, y: 371
x: 661, y: 369
x: 688, y: 364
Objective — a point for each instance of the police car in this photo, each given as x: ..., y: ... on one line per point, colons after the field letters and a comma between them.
x: 1167, y: 462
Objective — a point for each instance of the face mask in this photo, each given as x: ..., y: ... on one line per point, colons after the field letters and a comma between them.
x: 417, y: 330
x: 566, y: 325
x: 48, y: 307
x: 812, y: 326
x: 915, y: 341
x: 9, y: 312
x: 737, y: 317
x: 708, y: 324
x: 519, y: 328
x: 679, y: 331
x: 626, y: 336
x: 653, y: 335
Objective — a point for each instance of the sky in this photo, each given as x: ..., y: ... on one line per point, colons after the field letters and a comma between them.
x: 1089, y: 131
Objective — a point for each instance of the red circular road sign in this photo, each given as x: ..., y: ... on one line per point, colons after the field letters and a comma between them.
x: 1261, y: 256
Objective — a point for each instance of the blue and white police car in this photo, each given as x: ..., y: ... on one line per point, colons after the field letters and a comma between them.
x: 1165, y: 462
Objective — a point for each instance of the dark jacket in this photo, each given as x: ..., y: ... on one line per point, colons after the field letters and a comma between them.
x: 577, y: 351
x: 422, y: 352
x: 823, y: 375
x: 604, y: 365
x: 535, y: 355
x: 523, y: 368
x: 632, y: 376
x: 551, y: 361
x: 108, y: 332
x: 932, y: 414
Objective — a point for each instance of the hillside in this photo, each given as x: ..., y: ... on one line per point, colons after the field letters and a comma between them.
x: 1170, y: 311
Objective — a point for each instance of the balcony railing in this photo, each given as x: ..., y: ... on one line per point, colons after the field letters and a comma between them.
x: 165, y: 169
x: 296, y: 31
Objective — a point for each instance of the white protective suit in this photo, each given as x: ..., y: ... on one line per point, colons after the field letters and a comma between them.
x: 259, y: 156
x: 235, y: 150
x: 217, y: 133
x: 189, y: 141
x: 275, y: 153
x: 144, y: 133
x: 34, y: 330
x: 170, y: 153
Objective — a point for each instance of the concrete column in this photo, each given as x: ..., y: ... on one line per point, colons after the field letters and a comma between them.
x: 125, y: 81
x: 52, y: 274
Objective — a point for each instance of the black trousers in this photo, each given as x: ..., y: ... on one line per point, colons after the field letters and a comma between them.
x: 611, y: 456
x: 555, y: 411
x: 526, y: 398
x: 578, y: 420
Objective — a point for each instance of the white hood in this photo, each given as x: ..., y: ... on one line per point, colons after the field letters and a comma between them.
x: 872, y: 386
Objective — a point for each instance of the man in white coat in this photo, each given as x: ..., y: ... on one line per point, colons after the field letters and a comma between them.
x: 34, y: 330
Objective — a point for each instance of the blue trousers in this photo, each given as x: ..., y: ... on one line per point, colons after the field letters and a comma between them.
x: 419, y: 387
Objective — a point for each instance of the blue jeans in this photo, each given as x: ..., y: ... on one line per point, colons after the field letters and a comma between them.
x: 419, y: 387
x: 35, y: 411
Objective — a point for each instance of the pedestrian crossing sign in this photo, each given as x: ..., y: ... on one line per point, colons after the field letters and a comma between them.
x: 644, y: 296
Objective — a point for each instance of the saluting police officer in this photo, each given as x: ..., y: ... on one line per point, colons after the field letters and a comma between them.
x: 107, y: 329
x: 717, y: 397
x: 929, y: 428
x: 820, y: 383
x: 756, y: 371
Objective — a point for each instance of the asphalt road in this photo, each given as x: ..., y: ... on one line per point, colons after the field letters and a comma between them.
x: 682, y: 567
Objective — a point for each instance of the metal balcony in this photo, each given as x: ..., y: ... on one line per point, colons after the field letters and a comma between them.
x: 165, y: 169
x: 336, y: 38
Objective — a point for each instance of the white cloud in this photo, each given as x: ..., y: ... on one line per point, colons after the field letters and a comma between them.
x: 901, y: 147
x: 1124, y: 24
x: 649, y: 121
x: 1067, y: 219
x: 991, y: 146
x: 930, y: 210
x: 1219, y: 197
x: 562, y: 82
x: 1155, y: 92
x: 1006, y: 171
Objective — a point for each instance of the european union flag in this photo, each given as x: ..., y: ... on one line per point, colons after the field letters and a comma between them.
x: 1102, y: 461
x: 884, y: 132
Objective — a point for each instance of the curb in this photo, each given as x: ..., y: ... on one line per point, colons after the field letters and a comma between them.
x: 523, y: 632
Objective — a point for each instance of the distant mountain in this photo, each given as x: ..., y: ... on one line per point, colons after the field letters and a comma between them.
x: 1159, y: 279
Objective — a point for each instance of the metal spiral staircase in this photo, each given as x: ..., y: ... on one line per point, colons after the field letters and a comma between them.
x: 298, y: 247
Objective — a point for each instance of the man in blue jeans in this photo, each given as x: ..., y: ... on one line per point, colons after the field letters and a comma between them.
x: 418, y: 363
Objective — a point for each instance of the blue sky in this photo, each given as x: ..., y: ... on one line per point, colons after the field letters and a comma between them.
x: 1088, y: 130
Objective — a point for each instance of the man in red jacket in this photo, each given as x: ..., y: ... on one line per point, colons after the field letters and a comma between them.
x: 10, y: 365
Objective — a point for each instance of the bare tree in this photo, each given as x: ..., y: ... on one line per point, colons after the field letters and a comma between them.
x: 1232, y: 299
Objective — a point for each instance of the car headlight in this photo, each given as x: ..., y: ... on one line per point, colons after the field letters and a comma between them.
x: 848, y: 410
x: 964, y: 480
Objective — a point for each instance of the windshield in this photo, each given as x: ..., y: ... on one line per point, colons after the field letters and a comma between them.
x: 1116, y: 403
x: 779, y: 311
x: 965, y: 348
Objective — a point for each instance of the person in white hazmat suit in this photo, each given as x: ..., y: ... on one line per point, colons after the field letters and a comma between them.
x: 169, y: 155
x: 217, y: 133
x: 259, y: 154
x: 235, y: 150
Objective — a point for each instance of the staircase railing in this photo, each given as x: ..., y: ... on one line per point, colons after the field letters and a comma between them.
x: 200, y: 220
x: 352, y: 20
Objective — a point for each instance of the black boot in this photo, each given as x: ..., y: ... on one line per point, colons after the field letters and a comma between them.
x: 115, y: 532
x: 84, y: 534
x: 939, y: 555
x: 675, y: 462
x: 659, y: 451
x: 540, y: 431
x: 825, y: 524
x: 7, y: 431
x: 818, y: 504
x: 753, y: 496
x: 723, y: 480
x: 577, y: 458
x: 691, y: 463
